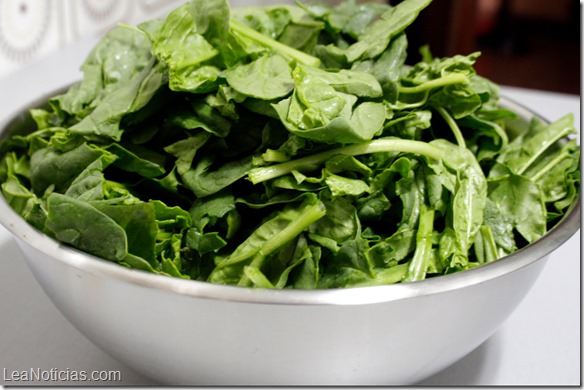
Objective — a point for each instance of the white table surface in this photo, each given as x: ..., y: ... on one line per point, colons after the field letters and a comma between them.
x: 538, y: 345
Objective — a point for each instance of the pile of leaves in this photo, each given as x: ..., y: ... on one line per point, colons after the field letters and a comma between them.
x: 287, y: 147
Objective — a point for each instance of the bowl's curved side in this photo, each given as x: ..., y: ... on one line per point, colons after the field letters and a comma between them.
x: 189, y: 340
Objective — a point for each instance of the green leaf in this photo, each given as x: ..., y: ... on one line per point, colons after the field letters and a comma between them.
x: 379, y: 33
x: 269, y: 77
x: 105, y: 119
x: 306, y: 275
x: 89, y: 184
x: 121, y: 55
x: 393, y: 249
x: 204, y: 242
x: 469, y: 194
x: 186, y: 53
x: 212, y: 20
x: 387, y: 68
x: 171, y: 259
x: 419, y: 264
x: 205, y: 181
x: 143, y: 161
x: 246, y: 33
x: 81, y: 225
x: 348, y: 17
x: 501, y: 227
x: 210, y: 209
x: 51, y: 168
x: 352, y: 82
x: 16, y: 193
x: 186, y: 149
x: 317, y: 111
x: 170, y: 216
x: 343, y: 186
x: 524, y: 151
x: 265, y: 240
x: 340, y: 222
x: 521, y: 199
x: 139, y: 224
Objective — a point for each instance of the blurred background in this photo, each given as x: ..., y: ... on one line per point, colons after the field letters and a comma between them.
x: 524, y: 43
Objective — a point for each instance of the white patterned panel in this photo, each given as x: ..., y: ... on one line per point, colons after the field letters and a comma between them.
x: 93, y: 17
x: 30, y: 29
x: 27, y: 31
x: 155, y: 6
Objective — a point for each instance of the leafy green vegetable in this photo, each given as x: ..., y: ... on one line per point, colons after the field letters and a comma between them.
x: 378, y: 34
x: 80, y: 224
x: 116, y: 60
x: 290, y: 146
x: 267, y: 78
x: 268, y: 238
x: 185, y: 52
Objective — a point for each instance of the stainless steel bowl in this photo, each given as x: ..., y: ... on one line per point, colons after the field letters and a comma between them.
x: 187, y: 332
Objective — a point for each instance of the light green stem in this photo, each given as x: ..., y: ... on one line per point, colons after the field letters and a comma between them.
x: 419, y: 263
x: 539, y: 174
x: 544, y: 146
x: 294, y: 228
x: 490, y: 244
x: 388, y: 144
x: 285, y: 50
x: 449, y: 79
x: 453, y: 126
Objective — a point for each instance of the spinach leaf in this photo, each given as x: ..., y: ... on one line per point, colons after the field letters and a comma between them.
x: 143, y: 161
x: 520, y: 198
x: 139, y: 225
x: 105, y: 119
x: 204, y: 243
x: 524, y: 151
x: 80, y: 224
x: 393, y: 249
x: 187, y: 54
x: 14, y: 175
x: 208, y: 210
x: 419, y: 264
x: 354, y: 82
x: 171, y: 263
x: 48, y: 167
x: 252, y: 36
x: 265, y: 240
x: 501, y: 227
x: 387, y: 68
x: 205, y: 181
x: 349, y: 17
x: 340, y: 222
x: 317, y: 111
x: 378, y: 34
x: 90, y: 183
x: 466, y: 212
x: 343, y: 186
x: 114, y: 62
x: 212, y: 20
x: 267, y: 78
